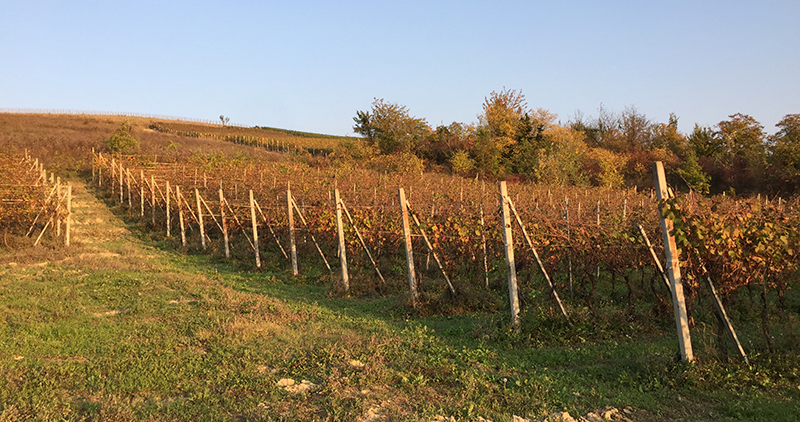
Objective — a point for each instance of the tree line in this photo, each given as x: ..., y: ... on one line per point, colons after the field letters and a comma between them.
x: 511, y: 140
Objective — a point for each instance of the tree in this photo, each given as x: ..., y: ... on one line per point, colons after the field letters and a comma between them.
x: 704, y: 142
x: 122, y: 141
x: 785, y: 149
x: 561, y: 160
x: 390, y: 127
x: 501, y: 115
x: 224, y: 119
x: 635, y: 129
x: 667, y: 136
x: 693, y: 174
x: 744, y: 155
x: 742, y: 136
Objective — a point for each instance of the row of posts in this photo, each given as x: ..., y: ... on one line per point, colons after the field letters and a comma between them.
x: 61, y: 195
x: 122, y: 177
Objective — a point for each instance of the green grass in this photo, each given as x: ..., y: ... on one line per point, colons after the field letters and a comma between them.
x: 146, y: 333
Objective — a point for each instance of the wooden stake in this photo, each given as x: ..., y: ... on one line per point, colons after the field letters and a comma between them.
x: 153, y: 200
x: 361, y: 239
x: 121, y: 187
x: 511, y: 268
x: 224, y: 224
x: 412, y: 279
x: 430, y: 248
x: 673, y: 267
x: 254, y: 223
x: 290, y: 215
x: 313, y: 239
x: 167, y: 208
x: 342, y: 248
x: 178, y: 196
x: 656, y: 261
x: 539, y: 261
x: 200, y: 219
x: 721, y: 314
x: 69, y: 216
x: 141, y: 193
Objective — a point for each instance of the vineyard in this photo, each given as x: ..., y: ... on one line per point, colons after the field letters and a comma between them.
x: 588, y: 246
x: 31, y: 204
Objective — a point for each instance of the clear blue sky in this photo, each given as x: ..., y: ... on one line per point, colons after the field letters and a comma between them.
x: 309, y: 65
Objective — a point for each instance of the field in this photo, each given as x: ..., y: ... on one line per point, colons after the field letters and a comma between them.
x: 129, y: 324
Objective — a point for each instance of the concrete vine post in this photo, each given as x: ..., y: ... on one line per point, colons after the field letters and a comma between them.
x: 511, y: 268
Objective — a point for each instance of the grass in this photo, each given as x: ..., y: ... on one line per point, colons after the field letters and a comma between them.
x: 127, y: 326
x: 140, y: 332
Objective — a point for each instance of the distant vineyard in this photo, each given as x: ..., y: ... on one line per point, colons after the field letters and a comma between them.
x: 271, y: 139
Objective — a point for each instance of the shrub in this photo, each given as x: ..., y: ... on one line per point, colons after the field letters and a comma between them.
x: 122, y: 141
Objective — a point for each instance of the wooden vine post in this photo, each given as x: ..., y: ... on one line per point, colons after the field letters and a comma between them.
x: 121, y: 187
x: 153, y: 199
x: 224, y: 224
x: 673, y: 267
x: 511, y: 268
x: 290, y: 215
x: 200, y: 219
x: 412, y: 278
x: 167, y: 209
x: 255, y: 229
x: 141, y: 193
x: 180, y: 214
x: 69, y: 215
x: 342, y: 248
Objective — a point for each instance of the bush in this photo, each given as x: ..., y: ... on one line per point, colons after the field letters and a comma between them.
x: 122, y: 141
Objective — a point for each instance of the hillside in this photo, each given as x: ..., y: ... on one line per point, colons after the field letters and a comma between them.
x: 129, y: 323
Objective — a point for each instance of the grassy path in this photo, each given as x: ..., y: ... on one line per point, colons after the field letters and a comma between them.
x: 126, y: 329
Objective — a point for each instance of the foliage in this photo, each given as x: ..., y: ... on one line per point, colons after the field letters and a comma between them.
x: 122, y: 141
x: 606, y: 167
x: 390, y: 127
x: 561, y: 162
x: 693, y: 174
x: 461, y: 162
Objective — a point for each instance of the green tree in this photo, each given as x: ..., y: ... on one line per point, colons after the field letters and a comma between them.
x: 704, y: 142
x: 785, y: 149
x: 561, y: 159
x: 501, y: 115
x: 391, y: 128
x: 693, y: 174
x: 667, y: 136
x: 744, y: 152
x: 122, y: 141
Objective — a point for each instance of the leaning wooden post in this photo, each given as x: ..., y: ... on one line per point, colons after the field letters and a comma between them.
x: 412, y: 278
x: 224, y: 224
x: 653, y: 255
x: 69, y: 215
x: 255, y: 229
x: 509, y: 249
x: 672, y: 264
x: 200, y: 219
x: 342, y: 249
x: 128, y: 183
x: 290, y: 215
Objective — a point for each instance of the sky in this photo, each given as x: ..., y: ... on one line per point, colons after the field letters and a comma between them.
x: 310, y: 65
